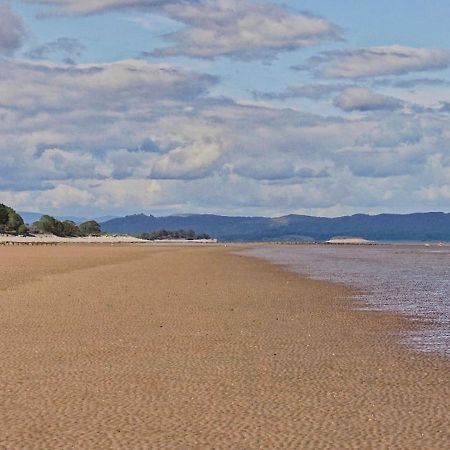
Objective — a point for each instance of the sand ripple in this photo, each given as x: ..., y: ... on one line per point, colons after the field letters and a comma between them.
x: 193, y: 348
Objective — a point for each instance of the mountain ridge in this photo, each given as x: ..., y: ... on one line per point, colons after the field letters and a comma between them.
x: 386, y: 226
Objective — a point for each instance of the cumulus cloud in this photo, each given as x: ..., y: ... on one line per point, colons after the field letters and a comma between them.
x: 413, y: 82
x: 12, y: 30
x: 130, y: 136
x: 190, y: 162
x: 64, y: 122
x: 62, y: 194
x: 97, y: 6
x: 47, y: 86
x: 289, y: 170
x: 377, y: 61
x: 445, y: 107
x: 242, y: 29
x: 310, y: 91
x: 362, y: 99
x: 384, y: 162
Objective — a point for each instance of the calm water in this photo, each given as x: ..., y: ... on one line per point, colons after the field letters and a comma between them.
x: 410, y: 279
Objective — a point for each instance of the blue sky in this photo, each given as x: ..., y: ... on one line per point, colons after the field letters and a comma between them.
x: 225, y: 106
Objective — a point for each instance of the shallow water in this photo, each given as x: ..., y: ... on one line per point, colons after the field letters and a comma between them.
x: 410, y: 279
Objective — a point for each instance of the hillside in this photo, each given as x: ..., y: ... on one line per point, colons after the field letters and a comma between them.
x: 412, y: 227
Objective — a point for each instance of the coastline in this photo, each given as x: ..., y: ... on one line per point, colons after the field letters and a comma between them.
x: 409, y: 280
x: 197, y: 347
x: 50, y: 239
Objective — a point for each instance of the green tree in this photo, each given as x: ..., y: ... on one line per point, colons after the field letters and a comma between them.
x: 177, y: 234
x: 49, y: 225
x: 46, y: 224
x: 91, y: 227
x: 14, y: 221
x: 22, y: 230
x: 70, y: 229
x: 10, y: 221
x: 4, y: 215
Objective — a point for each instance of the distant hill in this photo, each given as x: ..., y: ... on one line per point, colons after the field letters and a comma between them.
x: 408, y: 227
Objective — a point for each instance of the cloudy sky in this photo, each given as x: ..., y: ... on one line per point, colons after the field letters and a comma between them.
x: 318, y: 107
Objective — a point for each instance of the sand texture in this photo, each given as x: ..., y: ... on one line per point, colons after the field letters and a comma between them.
x: 129, y: 347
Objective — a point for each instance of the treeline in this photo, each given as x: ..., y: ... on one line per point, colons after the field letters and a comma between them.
x: 67, y: 228
x: 12, y: 223
x: 189, y: 235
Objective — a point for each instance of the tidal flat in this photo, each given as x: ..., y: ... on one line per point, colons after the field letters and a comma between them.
x: 125, y: 346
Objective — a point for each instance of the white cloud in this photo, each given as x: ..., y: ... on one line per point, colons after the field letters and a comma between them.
x: 190, y: 162
x: 244, y: 29
x: 287, y: 170
x: 131, y: 136
x: 12, y: 30
x: 96, y: 6
x: 433, y: 193
x: 377, y: 61
x: 25, y: 84
x: 311, y: 91
x: 63, y: 194
x: 362, y: 99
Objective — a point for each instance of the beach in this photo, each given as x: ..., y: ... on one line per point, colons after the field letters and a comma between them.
x: 50, y: 239
x: 179, y: 347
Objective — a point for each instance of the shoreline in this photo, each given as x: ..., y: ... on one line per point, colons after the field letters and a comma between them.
x: 104, y: 239
x: 429, y: 330
x: 198, y: 347
x: 353, y: 299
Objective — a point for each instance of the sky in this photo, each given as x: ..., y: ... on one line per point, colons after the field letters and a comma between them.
x: 237, y: 107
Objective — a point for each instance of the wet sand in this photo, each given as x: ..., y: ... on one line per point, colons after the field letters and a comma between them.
x: 194, y: 347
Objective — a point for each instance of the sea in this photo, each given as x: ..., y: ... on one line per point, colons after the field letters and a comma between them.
x: 411, y: 279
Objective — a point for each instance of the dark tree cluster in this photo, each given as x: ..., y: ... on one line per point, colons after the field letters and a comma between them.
x: 178, y: 234
x: 49, y: 225
x: 11, y: 222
